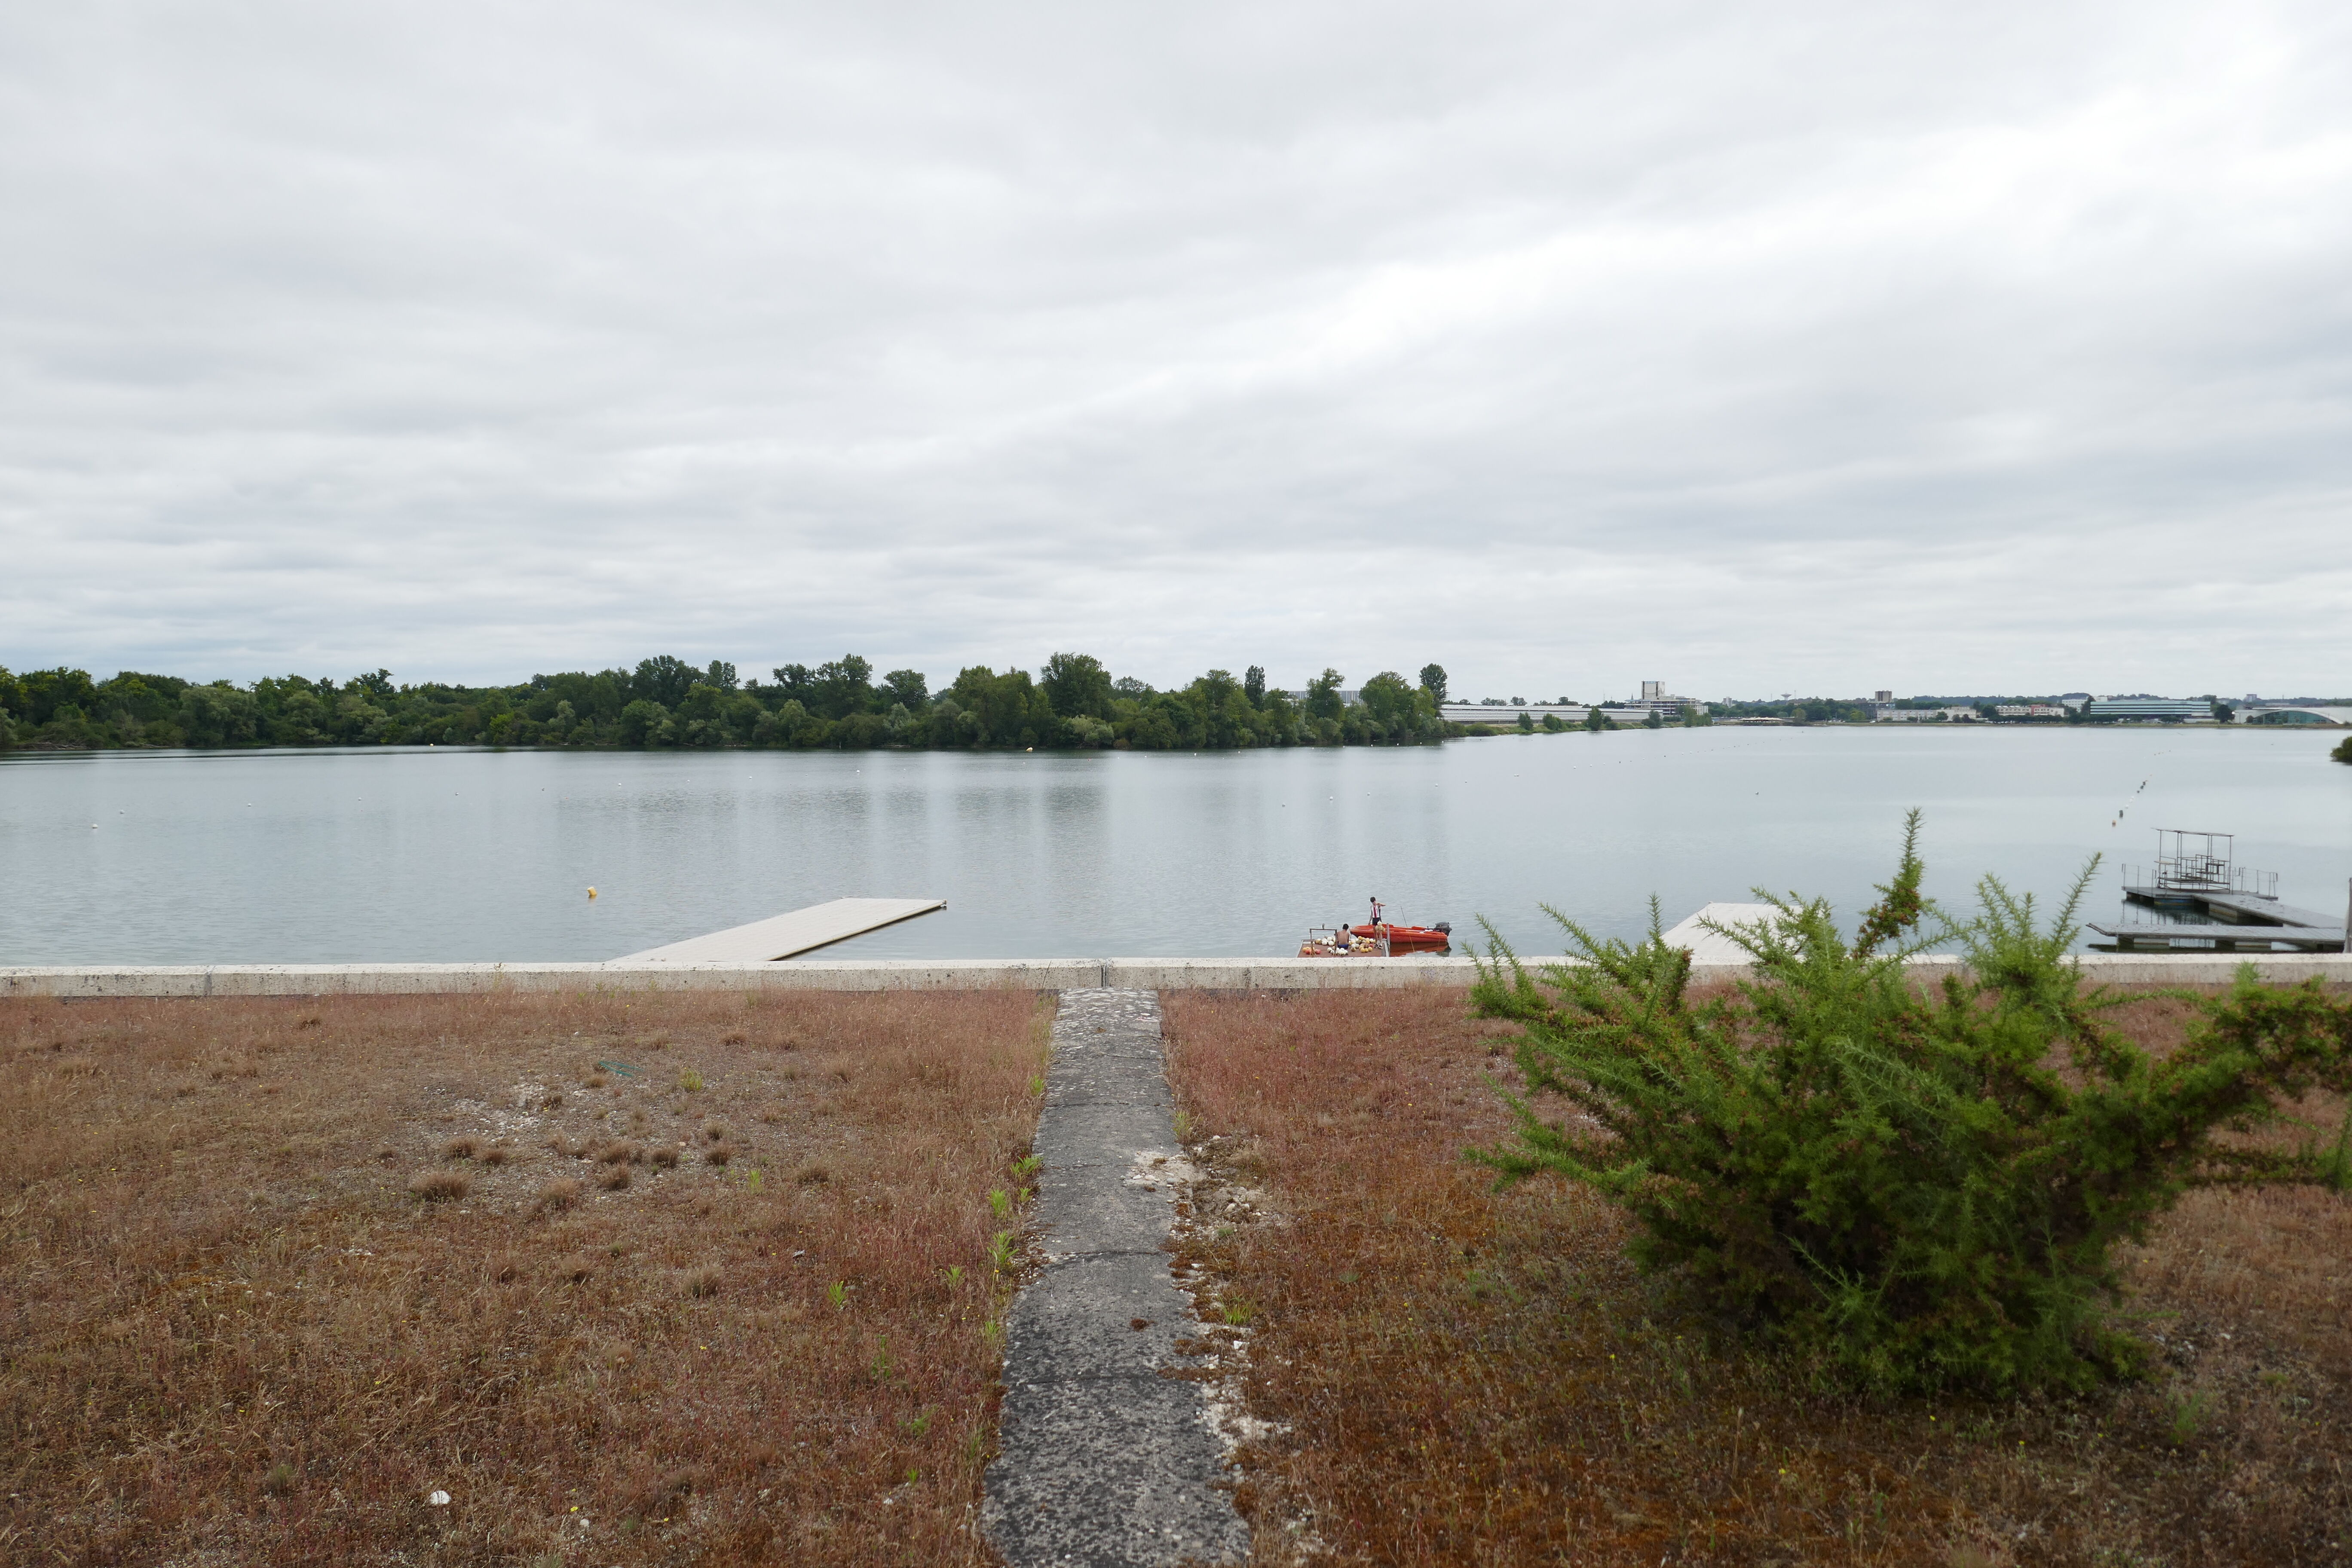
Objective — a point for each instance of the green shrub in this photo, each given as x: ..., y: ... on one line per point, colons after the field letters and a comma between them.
x: 1923, y: 1185
x: 2343, y: 751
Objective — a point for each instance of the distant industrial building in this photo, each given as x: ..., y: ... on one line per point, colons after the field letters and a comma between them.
x: 1654, y: 700
x: 1959, y: 714
x: 1492, y: 713
x: 2150, y: 710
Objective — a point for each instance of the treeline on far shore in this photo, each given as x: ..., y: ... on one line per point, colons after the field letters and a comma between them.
x: 667, y: 703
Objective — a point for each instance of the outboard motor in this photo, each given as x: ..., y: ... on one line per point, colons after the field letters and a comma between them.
x: 1443, y: 926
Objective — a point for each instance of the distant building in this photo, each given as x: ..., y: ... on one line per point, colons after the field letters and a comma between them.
x: 2282, y: 712
x: 1958, y: 714
x: 1490, y: 712
x: 2151, y: 710
x: 1886, y: 699
x: 2030, y: 710
x: 1656, y: 698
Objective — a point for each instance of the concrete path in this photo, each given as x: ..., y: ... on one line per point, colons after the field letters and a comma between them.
x: 1105, y: 1460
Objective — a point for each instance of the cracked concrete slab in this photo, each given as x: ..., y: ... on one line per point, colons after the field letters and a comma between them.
x: 1107, y: 1456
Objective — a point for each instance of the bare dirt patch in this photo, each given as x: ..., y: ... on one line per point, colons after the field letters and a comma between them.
x: 277, y: 1275
x: 1418, y: 1369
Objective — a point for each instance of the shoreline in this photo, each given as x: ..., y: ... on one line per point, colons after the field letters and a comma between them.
x: 87, y: 982
x: 1457, y: 729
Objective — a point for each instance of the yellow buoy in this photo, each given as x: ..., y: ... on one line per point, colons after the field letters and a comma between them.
x: 592, y: 892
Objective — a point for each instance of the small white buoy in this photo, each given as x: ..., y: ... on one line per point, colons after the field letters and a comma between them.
x: 438, y: 1500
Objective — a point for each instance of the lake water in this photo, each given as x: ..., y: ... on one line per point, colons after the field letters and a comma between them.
x: 476, y: 855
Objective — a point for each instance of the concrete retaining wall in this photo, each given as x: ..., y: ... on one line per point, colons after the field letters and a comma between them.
x: 965, y: 973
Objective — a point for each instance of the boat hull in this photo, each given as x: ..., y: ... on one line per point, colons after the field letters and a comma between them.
x: 1404, y: 939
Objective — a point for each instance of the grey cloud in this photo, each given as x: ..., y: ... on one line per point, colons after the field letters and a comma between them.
x: 1841, y: 346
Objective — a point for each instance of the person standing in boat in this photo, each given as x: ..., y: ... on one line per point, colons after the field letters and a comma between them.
x: 1378, y: 915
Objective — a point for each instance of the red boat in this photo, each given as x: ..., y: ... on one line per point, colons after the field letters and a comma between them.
x: 1395, y: 938
x: 1405, y: 939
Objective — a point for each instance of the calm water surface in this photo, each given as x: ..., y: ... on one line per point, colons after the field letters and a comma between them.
x: 455, y: 854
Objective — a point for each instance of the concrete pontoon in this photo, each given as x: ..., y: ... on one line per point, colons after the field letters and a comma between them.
x: 780, y: 936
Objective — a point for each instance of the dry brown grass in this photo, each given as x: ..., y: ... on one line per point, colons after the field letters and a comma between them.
x: 438, y: 1186
x: 1462, y: 1376
x: 235, y: 1333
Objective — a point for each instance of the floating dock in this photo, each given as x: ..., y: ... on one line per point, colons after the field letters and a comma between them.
x: 780, y: 936
x: 2235, y: 922
x: 2221, y: 907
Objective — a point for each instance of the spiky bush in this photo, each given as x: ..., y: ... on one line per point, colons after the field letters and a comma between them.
x: 1923, y: 1184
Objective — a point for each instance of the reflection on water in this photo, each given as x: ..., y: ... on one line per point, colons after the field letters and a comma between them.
x: 445, y: 854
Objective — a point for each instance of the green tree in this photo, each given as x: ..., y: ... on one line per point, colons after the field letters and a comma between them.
x: 297, y: 716
x: 796, y: 681
x: 784, y: 727
x: 1253, y: 685
x: 44, y: 692
x: 702, y: 717
x: 219, y: 715
x: 664, y: 679
x: 907, y: 688
x: 1432, y: 680
x: 1389, y: 700
x: 1278, y: 719
x: 1076, y: 684
x: 1163, y: 722
x: 1000, y: 707
x: 1323, y: 695
x: 1595, y: 720
x: 1923, y: 1187
x: 842, y: 688
x: 68, y: 726
x: 644, y: 722
x: 1221, y: 715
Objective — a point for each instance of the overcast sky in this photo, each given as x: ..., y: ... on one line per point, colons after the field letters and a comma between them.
x: 1812, y: 347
